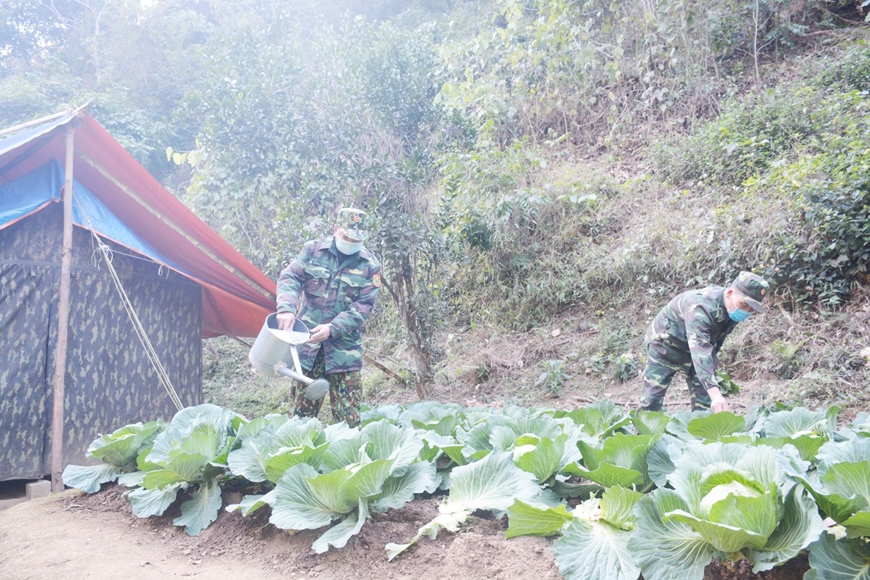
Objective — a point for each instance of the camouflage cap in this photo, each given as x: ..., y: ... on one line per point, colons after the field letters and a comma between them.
x: 753, y: 287
x: 352, y: 222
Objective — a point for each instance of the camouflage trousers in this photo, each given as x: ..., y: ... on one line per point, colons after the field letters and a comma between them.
x: 663, y: 361
x: 345, y: 393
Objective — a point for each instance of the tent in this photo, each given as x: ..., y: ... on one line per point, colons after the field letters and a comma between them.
x: 182, y: 283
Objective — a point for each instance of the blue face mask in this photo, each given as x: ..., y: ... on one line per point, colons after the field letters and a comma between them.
x: 347, y: 248
x: 739, y: 315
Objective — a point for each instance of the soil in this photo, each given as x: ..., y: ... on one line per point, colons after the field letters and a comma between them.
x: 75, y: 535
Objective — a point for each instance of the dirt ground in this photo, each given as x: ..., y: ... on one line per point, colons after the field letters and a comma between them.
x: 74, y: 535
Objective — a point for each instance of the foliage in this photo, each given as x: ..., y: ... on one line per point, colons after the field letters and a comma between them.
x: 190, y: 455
x: 117, y: 451
x: 552, y: 380
x: 659, y: 495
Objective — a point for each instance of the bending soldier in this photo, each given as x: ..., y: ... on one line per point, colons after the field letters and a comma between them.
x: 687, y: 334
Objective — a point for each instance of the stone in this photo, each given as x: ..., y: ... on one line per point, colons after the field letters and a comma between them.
x: 36, y: 489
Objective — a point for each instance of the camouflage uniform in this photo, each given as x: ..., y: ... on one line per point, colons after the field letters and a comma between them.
x: 322, y: 286
x: 686, y: 337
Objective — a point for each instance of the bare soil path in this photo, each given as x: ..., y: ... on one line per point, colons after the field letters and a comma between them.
x: 72, y: 535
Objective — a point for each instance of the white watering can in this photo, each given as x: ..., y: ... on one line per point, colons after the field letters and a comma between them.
x: 275, y: 349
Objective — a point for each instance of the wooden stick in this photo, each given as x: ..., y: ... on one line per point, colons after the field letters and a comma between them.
x: 240, y: 341
x: 57, y: 415
x: 382, y: 367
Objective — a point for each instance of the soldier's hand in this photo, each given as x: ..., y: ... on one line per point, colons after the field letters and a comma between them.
x: 717, y: 401
x: 286, y: 320
x: 319, y: 333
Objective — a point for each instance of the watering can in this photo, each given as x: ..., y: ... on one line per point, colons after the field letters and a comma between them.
x: 275, y: 349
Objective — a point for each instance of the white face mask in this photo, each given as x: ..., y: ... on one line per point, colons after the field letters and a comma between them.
x: 347, y: 248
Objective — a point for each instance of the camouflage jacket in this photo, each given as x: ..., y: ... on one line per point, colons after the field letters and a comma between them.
x: 320, y: 290
x: 695, y: 323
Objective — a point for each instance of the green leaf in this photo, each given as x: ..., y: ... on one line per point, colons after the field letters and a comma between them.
x: 447, y: 521
x: 617, y: 507
x: 386, y: 441
x: 660, y: 459
x: 835, y: 506
x: 490, y: 484
x: 759, y: 463
x: 858, y: 524
x: 595, y: 551
x: 121, y: 447
x: 135, y: 479
x: 852, y: 451
x: 529, y: 520
x: 284, y: 459
x: 607, y: 475
x: 503, y: 438
x: 796, y: 422
x: 251, y: 503
x: 799, y: 526
x: 204, y: 429
x: 153, y: 502
x: 343, y: 452
x: 544, y: 459
x: 366, y: 482
x: 305, y: 500
x: 728, y: 539
x: 846, y: 559
x: 338, y: 535
x: 248, y: 461
x: 626, y: 451
x: 298, y: 432
x: 807, y: 445
x: 717, y: 426
x: 182, y: 467
x: 398, y: 490
x: 89, y: 478
x: 567, y: 490
x: 650, y: 422
x: 201, y: 509
x: 755, y: 514
x: 848, y: 480
x: 666, y: 550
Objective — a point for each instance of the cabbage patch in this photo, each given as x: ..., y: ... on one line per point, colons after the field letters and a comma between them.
x: 728, y: 501
x: 118, y: 453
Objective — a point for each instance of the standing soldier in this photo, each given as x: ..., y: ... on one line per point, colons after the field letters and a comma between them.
x: 686, y: 337
x: 332, y: 286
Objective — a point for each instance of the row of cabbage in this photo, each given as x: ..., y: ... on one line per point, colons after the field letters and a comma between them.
x: 629, y: 493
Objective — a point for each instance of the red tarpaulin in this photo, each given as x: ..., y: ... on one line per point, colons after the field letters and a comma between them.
x: 236, y: 296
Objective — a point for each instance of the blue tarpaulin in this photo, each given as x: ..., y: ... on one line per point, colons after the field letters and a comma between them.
x: 39, y: 187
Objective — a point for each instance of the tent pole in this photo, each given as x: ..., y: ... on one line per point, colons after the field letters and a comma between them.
x: 57, y: 418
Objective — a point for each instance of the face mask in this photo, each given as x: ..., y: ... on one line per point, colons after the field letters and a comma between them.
x: 347, y: 248
x: 739, y: 315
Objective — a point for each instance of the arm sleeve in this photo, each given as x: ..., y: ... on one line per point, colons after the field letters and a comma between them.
x: 698, y: 324
x: 357, y: 312
x: 290, y: 281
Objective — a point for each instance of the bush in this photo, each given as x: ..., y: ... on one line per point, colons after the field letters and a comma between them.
x: 852, y: 72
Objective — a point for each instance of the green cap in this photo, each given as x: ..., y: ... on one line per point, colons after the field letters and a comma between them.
x: 753, y: 287
x: 353, y: 222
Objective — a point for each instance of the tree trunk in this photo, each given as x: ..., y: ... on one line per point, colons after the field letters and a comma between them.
x: 402, y: 292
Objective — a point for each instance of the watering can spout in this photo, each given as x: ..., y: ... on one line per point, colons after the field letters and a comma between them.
x: 275, y: 350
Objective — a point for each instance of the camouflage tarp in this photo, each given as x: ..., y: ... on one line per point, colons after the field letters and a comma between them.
x: 109, y: 379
